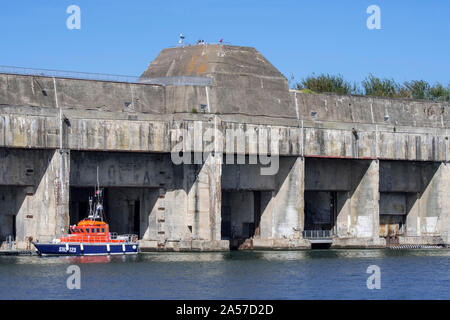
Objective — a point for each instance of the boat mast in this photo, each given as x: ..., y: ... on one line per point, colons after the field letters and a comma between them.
x: 96, y: 211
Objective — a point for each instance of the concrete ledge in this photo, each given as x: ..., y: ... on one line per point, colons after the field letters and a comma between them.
x: 281, y: 244
x: 184, y: 245
x: 210, y: 245
x: 381, y: 242
x: 148, y: 245
x: 423, y: 240
x: 347, y: 243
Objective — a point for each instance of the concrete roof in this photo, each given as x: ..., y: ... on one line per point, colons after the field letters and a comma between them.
x: 211, y: 59
x: 242, y: 80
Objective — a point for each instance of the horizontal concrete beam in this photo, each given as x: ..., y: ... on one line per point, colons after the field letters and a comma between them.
x: 39, y: 128
x: 375, y: 110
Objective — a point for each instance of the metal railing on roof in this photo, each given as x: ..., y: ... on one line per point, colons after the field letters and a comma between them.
x: 179, y: 81
x: 67, y: 74
x: 163, y: 81
x: 204, y: 43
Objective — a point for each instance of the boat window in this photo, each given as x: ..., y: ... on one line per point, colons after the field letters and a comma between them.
x: 87, y: 230
x: 98, y: 229
x: 82, y: 230
x: 76, y: 230
x: 103, y: 229
x: 93, y: 230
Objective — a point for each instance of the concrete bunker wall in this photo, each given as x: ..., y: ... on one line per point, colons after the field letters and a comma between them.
x: 126, y: 208
x: 379, y: 110
x: 183, y: 207
x: 353, y: 187
x: 264, y: 211
x: 413, y: 204
x: 127, y: 128
x: 33, y: 190
x: 172, y: 202
x: 40, y: 91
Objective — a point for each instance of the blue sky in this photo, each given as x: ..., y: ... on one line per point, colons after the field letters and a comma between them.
x: 297, y: 37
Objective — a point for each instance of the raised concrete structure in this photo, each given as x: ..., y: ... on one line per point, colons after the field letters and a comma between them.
x: 211, y: 150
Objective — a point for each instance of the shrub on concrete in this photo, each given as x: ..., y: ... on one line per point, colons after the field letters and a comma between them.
x: 326, y: 83
x: 439, y: 93
x: 374, y: 86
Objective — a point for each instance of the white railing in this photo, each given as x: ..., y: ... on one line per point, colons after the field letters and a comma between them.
x: 128, y: 237
x: 317, y: 234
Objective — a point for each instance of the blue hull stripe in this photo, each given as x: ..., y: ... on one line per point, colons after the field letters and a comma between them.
x: 88, y: 249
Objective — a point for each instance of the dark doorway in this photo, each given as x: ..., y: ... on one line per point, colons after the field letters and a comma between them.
x: 226, y: 216
x: 320, y: 210
x: 241, y: 217
x: 14, y: 226
x: 11, y: 200
x: 137, y: 218
x: 320, y: 246
x: 79, y: 203
x: 257, y: 213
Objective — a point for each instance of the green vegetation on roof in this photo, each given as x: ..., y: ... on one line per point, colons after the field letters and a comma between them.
x: 374, y: 86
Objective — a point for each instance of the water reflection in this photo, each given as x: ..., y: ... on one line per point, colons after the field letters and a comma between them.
x: 89, y: 259
x: 184, y: 256
x: 333, y: 254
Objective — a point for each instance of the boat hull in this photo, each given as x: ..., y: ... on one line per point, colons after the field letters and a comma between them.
x: 74, y: 249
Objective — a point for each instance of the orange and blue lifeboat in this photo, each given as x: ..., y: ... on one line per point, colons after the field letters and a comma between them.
x: 90, y: 237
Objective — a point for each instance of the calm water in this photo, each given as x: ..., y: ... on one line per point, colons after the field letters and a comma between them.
x: 316, y: 274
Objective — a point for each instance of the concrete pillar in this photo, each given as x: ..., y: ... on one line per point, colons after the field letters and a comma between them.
x: 365, y: 203
x: 434, y: 206
x: 282, y: 219
x: 204, y: 198
x: 413, y: 214
x: 444, y: 200
x: 164, y: 217
x: 358, y: 215
x: 188, y: 216
x: 44, y: 212
x: 153, y: 218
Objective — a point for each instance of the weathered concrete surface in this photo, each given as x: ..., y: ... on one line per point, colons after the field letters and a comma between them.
x: 424, y: 187
x: 355, y: 183
x: 360, y: 217
x: 281, y: 219
x: 44, y: 213
x: 287, y: 205
x: 383, y: 161
x: 178, y: 203
x: 40, y: 91
x: 26, y: 127
x: 375, y: 110
x: 243, y: 81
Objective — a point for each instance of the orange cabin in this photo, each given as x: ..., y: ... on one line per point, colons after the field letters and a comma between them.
x: 89, y: 230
